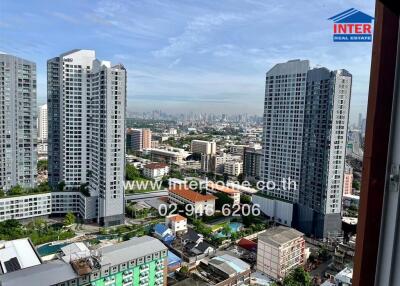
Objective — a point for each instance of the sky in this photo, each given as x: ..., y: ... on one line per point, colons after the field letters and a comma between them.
x: 181, y: 56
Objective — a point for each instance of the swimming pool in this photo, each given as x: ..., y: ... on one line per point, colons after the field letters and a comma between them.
x: 50, y: 248
x: 234, y: 226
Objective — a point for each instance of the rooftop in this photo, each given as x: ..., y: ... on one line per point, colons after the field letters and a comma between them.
x: 57, y: 271
x: 229, y: 264
x: 17, y: 254
x: 155, y: 166
x: 136, y: 247
x: 222, y: 189
x: 176, y: 217
x: 190, y: 195
x: 279, y: 236
x: 50, y: 273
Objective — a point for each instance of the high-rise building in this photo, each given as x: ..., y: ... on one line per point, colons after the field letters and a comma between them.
x: 18, y: 130
x: 86, y: 109
x: 305, y: 126
x: 283, y: 126
x: 326, y: 116
x: 138, y: 139
x: 42, y: 123
x: 252, y: 158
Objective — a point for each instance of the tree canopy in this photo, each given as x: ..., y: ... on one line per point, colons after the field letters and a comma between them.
x: 298, y: 277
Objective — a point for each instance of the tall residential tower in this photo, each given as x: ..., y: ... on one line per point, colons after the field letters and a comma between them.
x: 86, y: 110
x: 305, y: 125
x: 18, y: 158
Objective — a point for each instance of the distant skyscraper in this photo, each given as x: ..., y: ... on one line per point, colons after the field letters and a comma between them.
x: 18, y: 130
x: 305, y: 125
x: 42, y: 123
x: 86, y: 105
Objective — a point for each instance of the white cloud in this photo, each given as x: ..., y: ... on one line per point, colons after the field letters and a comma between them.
x: 195, y: 33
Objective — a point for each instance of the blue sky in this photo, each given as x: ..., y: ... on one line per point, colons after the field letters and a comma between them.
x: 188, y: 55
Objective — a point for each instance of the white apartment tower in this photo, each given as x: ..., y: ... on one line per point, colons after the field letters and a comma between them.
x: 42, y: 123
x: 305, y: 125
x: 283, y: 127
x: 18, y: 154
x: 86, y: 110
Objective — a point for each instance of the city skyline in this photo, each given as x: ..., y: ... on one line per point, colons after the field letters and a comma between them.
x: 200, y: 57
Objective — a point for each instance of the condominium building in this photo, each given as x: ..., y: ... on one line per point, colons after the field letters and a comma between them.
x: 155, y: 171
x: 18, y: 130
x: 138, y: 139
x: 138, y: 261
x: 202, y: 204
x: 233, y: 168
x: 25, y: 207
x: 279, y: 250
x: 283, y: 126
x: 86, y: 110
x: 326, y: 116
x: 203, y: 147
x: 237, y: 150
x: 42, y: 123
x: 252, y: 157
x: 305, y: 126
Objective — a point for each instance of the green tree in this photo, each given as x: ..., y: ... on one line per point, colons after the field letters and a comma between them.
x: 2, y: 194
x: 42, y: 165
x: 298, y: 277
x: 356, y: 185
x: 221, y: 200
x: 16, y: 191
x: 43, y: 187
x: 323, y: 253
x: 245, y: 199
x: 69, y: 219
x: 131, y: 173
x: 226, y: 229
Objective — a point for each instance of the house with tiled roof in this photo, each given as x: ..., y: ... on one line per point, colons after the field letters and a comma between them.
x: 177, y: 223
x: 202, y: 204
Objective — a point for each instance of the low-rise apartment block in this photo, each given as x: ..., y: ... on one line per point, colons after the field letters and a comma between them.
x: 279, y: 250
x: 202, y: 204
x: 75, y: 202
x: 25, y: 207
x: 155, y: 171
